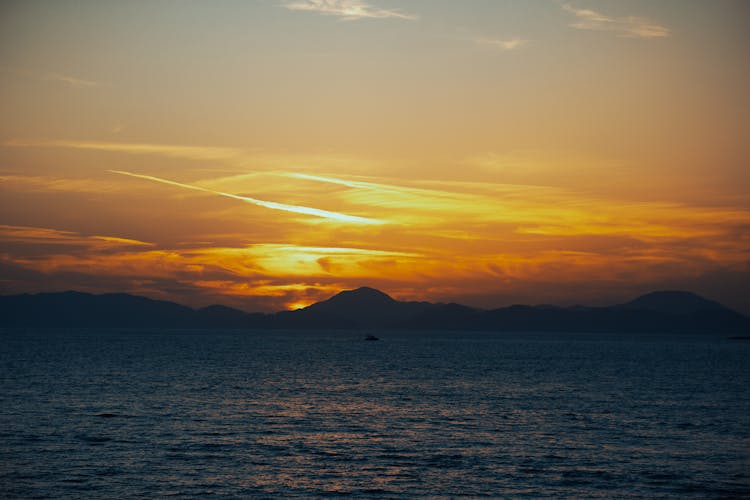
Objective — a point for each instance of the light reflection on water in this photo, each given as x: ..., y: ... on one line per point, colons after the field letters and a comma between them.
x: 188, y: 413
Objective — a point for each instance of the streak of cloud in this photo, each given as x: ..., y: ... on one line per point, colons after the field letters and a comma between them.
x: 627, y: 26
x: 41, y: 183
x: 348, y: 10
x: 316, y: 212
x: 68, y: 80
x: 505, y: 45
x: 168, y: 150
x: 333, y: 180
x: 232, y: 157
x: 48, y: 236
x: 551, y: 212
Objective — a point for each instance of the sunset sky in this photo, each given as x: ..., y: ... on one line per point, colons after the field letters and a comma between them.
x: 266, y: 154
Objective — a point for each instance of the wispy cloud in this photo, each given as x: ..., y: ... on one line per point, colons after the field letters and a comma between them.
x: 41, y: 183
x: 315, y: 212
x: 349, y: 10
x: 549, y: 211
x: 627, y: 26
x: 68, y: 80
x: 508, y: 44
x: 48, y: 236
x: 234, y: 157
x: 169, y: 150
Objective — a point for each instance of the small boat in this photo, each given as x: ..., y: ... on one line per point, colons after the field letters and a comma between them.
x: 371, y: 337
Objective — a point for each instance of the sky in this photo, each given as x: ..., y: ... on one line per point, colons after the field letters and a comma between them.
x: 266, y: 154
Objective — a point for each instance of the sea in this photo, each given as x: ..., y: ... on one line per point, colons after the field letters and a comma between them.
x: 317, y: 414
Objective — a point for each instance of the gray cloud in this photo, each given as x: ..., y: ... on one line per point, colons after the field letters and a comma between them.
x: 627, y: 26
x: 349, y: 10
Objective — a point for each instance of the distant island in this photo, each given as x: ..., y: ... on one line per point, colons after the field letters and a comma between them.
x: 371, y: 309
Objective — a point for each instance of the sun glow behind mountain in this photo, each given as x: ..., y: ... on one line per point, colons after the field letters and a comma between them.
x: 269, y: 154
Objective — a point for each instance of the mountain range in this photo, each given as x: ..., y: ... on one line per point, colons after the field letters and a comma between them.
x: 371, y: 309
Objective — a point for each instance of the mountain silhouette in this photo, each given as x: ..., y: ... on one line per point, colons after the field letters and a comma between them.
x: 673, y: 302
x: 368, y: 308
x: 359, y: 299
x: 78, y: 309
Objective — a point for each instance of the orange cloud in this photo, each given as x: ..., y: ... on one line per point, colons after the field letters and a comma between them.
x: 443, y: 239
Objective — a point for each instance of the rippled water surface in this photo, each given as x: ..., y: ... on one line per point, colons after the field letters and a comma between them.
x: 87, y: 413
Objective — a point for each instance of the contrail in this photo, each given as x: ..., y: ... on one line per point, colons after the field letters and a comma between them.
x: 351, y: 184
x: 316, y: 212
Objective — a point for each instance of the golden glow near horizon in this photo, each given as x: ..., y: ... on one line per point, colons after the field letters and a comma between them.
x: 538, y: 152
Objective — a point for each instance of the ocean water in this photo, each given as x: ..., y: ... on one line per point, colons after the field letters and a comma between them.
x: 120, y: 414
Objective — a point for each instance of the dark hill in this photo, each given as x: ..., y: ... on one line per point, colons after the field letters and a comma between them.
x: 218, y: 316
x: 361, y: 299
x: 444, y: 317
x: 365, y: 308
x: 87, y: 310
x: 673, y: 302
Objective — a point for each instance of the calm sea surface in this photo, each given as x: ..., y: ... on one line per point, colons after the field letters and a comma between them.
x: 115, y: 413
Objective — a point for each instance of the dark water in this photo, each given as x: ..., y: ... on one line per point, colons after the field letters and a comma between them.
x: 113, y: 414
